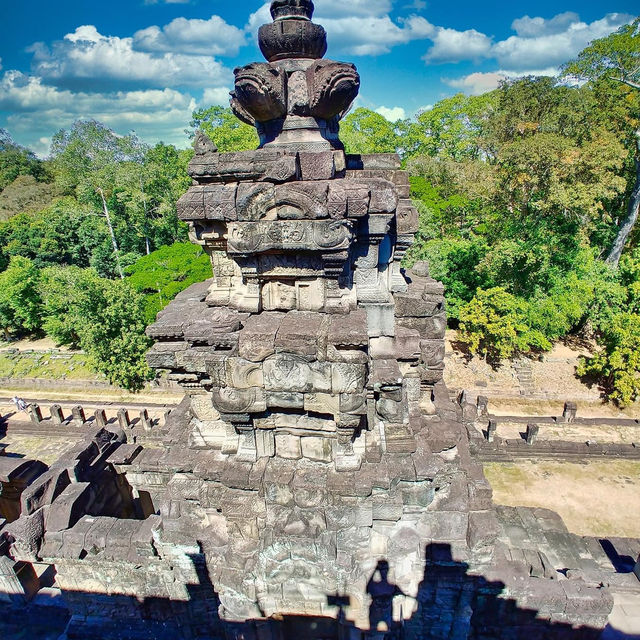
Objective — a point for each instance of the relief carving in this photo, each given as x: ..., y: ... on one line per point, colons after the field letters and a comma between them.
x: 260, y: 90
x: 333, y: 86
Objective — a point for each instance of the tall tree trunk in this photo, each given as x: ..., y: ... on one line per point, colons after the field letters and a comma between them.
x: 632, y: 214
x: 113, y: 235
x: 146, y: 218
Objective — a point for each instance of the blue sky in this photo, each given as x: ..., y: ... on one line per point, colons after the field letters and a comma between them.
x: 144, y: 65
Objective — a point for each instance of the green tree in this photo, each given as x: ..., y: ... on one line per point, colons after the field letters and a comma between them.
x: 222, y: 126
x: 17, y: 161
x: 164, y: 273
x: 617, y: 365
x: 25, y: 194
x: 103, y: 317
x: 452, y: 128
x: 91, y: 161
x: 20, y: 301
x: 609, y: 60
x: 494, y: 324
x: 64, y: 233
x: 365, y: 131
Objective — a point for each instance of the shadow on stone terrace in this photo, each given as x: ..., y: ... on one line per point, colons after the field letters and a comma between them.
x: 451, y: 604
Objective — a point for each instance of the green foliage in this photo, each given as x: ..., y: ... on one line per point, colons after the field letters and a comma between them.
x: 617, y: 365
x: 20, y: 302
x: 495, y: 325
x: 140, y: 187
x: 64, y: 233
x: 163, y: 274
x: 616, y: 56
x: 116, y: 340
x: 17, y: 161
x: 222, y: 126
x: 103, y: 317
x: 452, y: 128
x: 365, y: 131
x: 25, y: 194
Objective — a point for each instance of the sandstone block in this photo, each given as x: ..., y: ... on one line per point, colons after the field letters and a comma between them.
x: 288, y: 446
x: 318, y: 449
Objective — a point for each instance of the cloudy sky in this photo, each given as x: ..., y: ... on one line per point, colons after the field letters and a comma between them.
x: 145, y: 65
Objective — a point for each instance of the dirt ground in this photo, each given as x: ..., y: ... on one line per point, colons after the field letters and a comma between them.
x: 595, y: 499
x: 575, y: 432
x: 552, y: 380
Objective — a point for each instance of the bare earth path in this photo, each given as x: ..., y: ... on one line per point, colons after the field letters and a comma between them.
x: 595, y: 499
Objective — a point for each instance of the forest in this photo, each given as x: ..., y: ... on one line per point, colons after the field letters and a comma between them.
x: 528, y: 198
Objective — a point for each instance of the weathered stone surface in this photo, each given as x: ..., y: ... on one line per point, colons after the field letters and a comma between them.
x: 257, y: 339
x: 316, y: 437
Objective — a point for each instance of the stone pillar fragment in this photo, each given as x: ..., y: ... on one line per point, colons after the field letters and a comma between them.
x: 145, y: 420
x: 35, y: 413
x: 532, y: 433
x: 57, y: 417
x: 491, y: 430
x: 123, y: 419
x: 570, y: 412
x: 483, y: 406
x: 78, y: 416
x: 101, y: 418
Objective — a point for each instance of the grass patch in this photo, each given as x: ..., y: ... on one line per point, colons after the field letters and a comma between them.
x: 46, y: 365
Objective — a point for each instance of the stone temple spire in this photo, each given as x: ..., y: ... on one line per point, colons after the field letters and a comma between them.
x: 297, y: 98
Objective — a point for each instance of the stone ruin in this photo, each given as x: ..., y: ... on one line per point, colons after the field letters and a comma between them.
x: 317, y: 447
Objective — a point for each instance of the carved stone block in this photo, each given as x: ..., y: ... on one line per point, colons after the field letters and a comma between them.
x: 322, y: 403
x: 243, y: 374
x: 347, y: 377
x: 254, y: 201
x: 254, y: 237
x: 383, y: 196
x: 348, y: 331
x: 316, y: 165
x: 284, y: 400
x: 432, y: 352
x: 228, y: 401
x: 288, y: 446
x: 191, y: 205
x: 302, y: 200
x: 318, y: 449
x: 220, y: 202
x: 257, y: 338
x: 284, y: 372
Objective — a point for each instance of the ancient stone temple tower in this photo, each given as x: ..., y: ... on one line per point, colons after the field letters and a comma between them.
x: 317, y: 455
x: 310, y: 342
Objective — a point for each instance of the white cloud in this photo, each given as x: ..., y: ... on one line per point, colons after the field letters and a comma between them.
x: 450, y: 45
x: 527, y: 27
x: 478, y: 83
x: 194, y: 37
x: 215, y: 96
x: 544, y: 43
x: 539, y: 43
x: 373, y: 35
x: 392, y: 114
x: 38, y: 109
x: 86, y: 59
x: 360, y: 27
